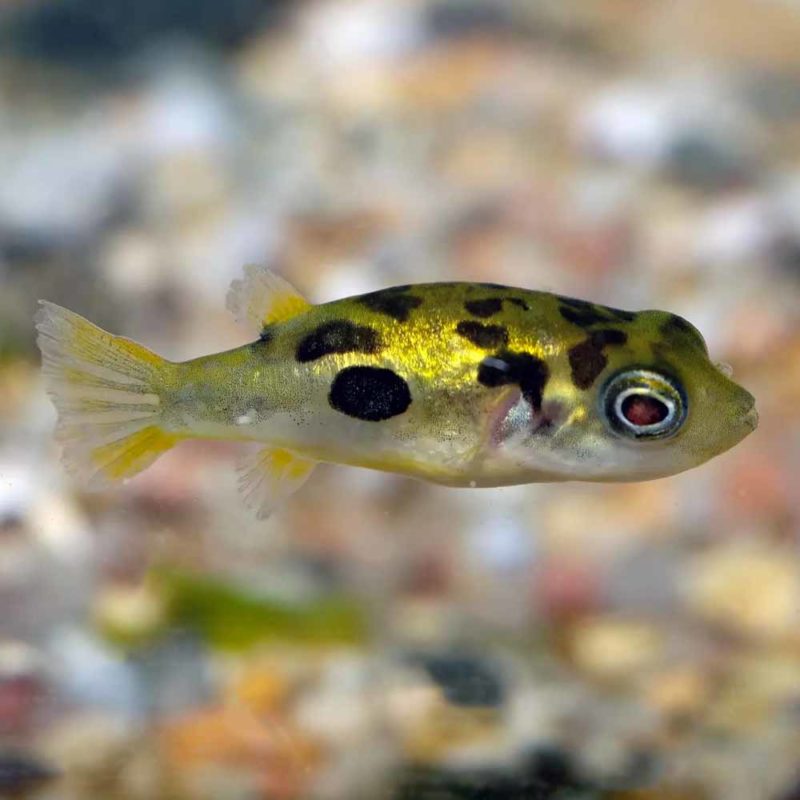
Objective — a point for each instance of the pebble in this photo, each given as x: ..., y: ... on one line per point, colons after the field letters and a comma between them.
x: 615, y: 649
x: 749, y: 589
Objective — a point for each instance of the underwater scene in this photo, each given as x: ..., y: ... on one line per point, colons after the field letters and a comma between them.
x: 400, y: 400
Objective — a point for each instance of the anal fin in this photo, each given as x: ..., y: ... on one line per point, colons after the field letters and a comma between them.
x: 271, y: 475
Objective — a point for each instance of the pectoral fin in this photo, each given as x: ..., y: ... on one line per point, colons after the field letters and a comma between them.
x: 271, y: 475
x: 507, y: 416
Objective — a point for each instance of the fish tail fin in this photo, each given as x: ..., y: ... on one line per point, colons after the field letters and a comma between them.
x: 108, y: 393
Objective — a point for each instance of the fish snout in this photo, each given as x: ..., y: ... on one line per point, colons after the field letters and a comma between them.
x: 751, y: 417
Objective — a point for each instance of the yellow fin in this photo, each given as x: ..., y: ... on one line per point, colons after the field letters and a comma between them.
x: 269, y: 476
x: 131, y: 454
x: 106, y: 390
x: 261, y: 297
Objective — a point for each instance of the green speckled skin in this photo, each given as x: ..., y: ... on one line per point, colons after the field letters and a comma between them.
x: 471, y: 419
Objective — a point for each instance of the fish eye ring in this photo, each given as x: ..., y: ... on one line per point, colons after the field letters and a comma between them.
x: 643, y: 404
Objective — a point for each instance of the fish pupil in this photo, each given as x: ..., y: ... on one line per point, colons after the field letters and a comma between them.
x: 641, y: 410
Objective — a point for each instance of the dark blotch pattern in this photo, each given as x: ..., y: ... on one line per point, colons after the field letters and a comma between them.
x: 584, y: 314
x: 488, y: 337
x: 490, y: 306
x: 680, y: 325
x: 266, y: 336
x: 587, y: 362
x: 337, y: 336
x: 394, y: 302
x: 484, y: 308
x: 609, y: 336
x: 526, y: 371
x: 369, y: 393
x: 587, y: 359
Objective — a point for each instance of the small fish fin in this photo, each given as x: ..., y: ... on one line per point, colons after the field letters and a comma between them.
x: 507, y: 416
x: 106, y: 391
x: 268, y: 477
x: 261, y: 297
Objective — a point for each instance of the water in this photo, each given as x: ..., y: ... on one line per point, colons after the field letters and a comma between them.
x: 380, y: 637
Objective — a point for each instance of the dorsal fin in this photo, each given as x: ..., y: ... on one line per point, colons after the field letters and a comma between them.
x: 261, y: 297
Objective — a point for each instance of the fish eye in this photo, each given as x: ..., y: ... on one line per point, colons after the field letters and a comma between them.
x: 642, y: 404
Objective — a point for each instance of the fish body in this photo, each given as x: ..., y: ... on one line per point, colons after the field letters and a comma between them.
x: 463, y: 384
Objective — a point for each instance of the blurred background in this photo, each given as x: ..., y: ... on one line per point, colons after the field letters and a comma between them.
x: 379, y: 637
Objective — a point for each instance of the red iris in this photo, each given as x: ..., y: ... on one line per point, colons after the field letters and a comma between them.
x: 641, y: 409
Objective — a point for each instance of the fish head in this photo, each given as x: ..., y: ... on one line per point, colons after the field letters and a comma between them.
x: 635, y: 401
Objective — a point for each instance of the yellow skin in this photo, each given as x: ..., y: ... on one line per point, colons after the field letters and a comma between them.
x: 446, y: 435
x: 509, y: 392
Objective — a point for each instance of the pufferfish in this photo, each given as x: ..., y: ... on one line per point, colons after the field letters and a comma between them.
x: 461, y: 384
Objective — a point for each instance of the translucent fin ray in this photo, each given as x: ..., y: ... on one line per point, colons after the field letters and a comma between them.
x: 261, y: 297
x: 106, y: 391
x: 271, y: 475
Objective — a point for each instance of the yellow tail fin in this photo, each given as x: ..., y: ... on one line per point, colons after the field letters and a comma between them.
x: 106, y: 391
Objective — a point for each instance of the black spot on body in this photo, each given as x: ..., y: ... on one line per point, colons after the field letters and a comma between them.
x: 337, y: 336
x: 583, y: 319
x: 676, y: 324
x: 621, y: 315
x: 526, y: 371
x: 393, y: 302
x: 585, y: 314
x: 587, y: 362
x: 484, y: 308
x: 488, y: 337
x: 587, y: 359
x: 369, y: 393
x: 608, y: 336
x: 679, y: 324
x: 490, y: 306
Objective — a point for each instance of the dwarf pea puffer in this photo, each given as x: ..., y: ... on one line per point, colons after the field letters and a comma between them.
x: 463, y: 384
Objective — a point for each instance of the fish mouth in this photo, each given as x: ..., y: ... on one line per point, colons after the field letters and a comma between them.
x: 749, y: 413
x: 751, y: 418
